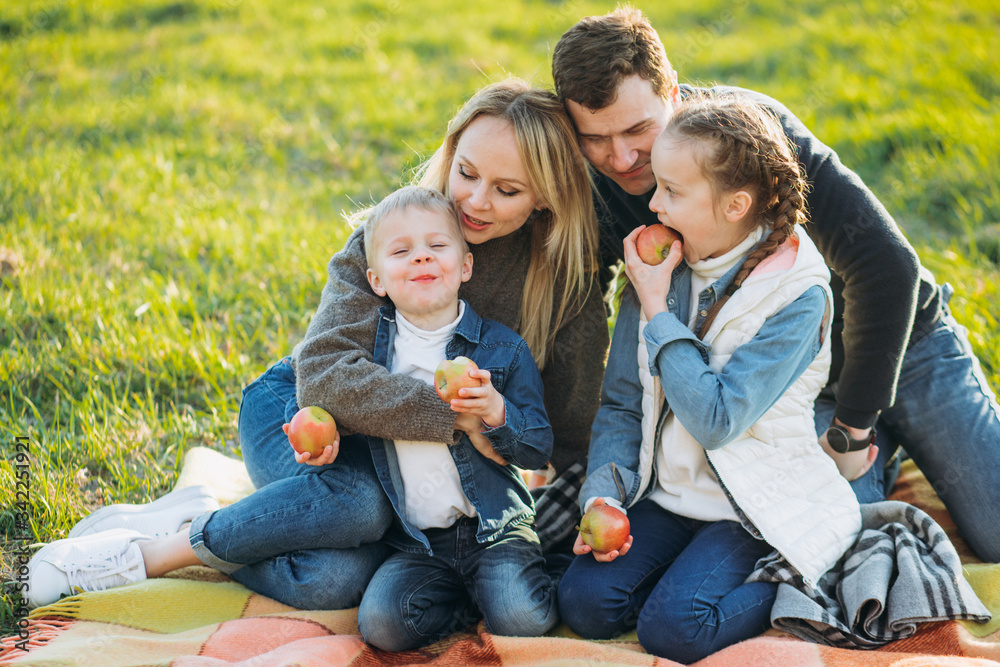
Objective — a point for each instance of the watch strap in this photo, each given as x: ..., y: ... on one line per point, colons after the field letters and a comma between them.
x: 853, y: 445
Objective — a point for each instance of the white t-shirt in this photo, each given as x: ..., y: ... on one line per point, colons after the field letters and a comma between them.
x: 431, y: 485
x: 686, y: 484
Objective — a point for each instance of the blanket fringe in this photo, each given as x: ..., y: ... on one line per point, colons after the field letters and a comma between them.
x: 68, y: 607
x: 40, y: 632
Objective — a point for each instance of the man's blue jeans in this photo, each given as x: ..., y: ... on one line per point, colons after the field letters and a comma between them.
x: 680, y: 585
x: 308, y: 536
x: 946, y: 418
x: 415, y: 599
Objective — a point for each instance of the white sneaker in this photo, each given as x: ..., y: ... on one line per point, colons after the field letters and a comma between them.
x: 164, y: 516
x: 89, y: 563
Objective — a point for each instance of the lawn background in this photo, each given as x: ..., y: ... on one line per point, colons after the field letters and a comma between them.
x: 172, y: 178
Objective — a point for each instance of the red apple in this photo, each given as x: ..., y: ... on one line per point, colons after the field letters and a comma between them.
x: 451, y: 376
x: 604, y: 528
x: 653, y: 243
x: 311, y: 430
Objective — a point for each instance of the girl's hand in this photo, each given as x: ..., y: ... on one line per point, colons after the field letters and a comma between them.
x: 652, y: 283
x: 579, y: 548
x: 471, y: 426
x: 329, y: 454
x: 483, y: 401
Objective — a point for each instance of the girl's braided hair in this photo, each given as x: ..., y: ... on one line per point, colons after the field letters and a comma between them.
x: 745, y: 148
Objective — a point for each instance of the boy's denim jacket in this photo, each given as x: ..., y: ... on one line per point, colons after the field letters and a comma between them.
x: 498, y: 493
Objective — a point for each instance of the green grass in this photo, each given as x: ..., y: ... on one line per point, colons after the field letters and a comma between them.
x: 173, y: 175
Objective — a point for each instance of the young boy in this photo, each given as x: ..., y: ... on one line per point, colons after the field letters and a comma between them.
x: 464, y: 532
x: 459, y: 518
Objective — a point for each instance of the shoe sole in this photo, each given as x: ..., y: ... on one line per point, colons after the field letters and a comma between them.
x: 178, y: 497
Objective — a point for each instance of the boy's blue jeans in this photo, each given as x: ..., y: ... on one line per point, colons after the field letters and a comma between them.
x: 308, y: 536
x: 680, y: 585
x: 946, y: 418
x: 416, y: 599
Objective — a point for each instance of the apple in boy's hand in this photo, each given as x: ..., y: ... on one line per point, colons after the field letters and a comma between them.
x: 452, y: 375
x: 311, y: 430
x: 653, y: 243
x: 604, y: 528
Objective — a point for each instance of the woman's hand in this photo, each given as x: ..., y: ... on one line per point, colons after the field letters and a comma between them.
x: 329, y: 454
x: 483, y: 401
x: 471, y: 425
x: 652, y: 283
x: 579, y: 548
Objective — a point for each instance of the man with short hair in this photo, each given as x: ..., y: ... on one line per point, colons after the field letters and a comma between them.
x: 903, y: 372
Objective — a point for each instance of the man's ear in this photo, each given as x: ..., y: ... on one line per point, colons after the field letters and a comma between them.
x: 673, y: 89
x: 467, y: 267
x: 738, y: 205
x: 376, y: 284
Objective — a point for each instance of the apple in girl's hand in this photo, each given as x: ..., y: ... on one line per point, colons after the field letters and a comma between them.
x: 311, y: 430
x: 452, y: 375
x: 653, y: 243
x: 604, y: 528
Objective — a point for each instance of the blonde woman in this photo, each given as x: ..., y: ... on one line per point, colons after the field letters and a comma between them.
x: 511, y: 164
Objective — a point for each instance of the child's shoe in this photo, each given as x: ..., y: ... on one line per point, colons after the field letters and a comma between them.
x: 164, y: 516
x: 90, y: 563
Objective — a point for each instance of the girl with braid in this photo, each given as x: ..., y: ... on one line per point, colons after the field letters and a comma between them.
x: 705, y: 434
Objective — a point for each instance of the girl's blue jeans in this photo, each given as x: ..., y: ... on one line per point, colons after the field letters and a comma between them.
x: 308, y: 537
x: 415, y: 598
x: 680, y: 585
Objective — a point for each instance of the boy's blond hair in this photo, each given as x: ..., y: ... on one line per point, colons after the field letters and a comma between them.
x: 415, y: 196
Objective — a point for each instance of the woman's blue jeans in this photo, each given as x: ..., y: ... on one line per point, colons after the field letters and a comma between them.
x: 309, y: 536
x: 680, y: 585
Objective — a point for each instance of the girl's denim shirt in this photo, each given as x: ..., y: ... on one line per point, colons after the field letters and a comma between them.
x: 524, y: 440
x: 715, y: 409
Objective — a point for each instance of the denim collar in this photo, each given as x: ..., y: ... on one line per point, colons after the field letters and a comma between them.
x: 469, y: 327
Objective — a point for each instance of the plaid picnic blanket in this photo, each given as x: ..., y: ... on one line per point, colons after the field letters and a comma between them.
x: 902, y: 571
x: 200, y: 617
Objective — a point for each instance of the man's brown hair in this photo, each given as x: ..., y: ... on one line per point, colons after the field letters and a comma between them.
x: 593, y: 57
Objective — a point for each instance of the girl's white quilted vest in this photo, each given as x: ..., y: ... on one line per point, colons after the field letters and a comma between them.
x: 776, y: 472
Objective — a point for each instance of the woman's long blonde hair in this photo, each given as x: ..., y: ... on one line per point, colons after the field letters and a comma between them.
x: 564, y: 234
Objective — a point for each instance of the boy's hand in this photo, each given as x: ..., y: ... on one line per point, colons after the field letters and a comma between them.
x: 579, y: 548
x: 651, y: 283
x: 471, y: 425
x: 329, y: 454
x: 483, y: 401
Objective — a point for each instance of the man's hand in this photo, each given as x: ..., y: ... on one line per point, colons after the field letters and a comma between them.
x: 579, y: 548
x: 471, y: 425
x: 651, y: 283
x: 852, y: 465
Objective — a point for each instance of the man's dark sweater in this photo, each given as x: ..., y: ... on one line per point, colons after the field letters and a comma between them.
x: 884, y: 300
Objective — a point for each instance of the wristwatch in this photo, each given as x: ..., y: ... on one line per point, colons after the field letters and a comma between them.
x: 842, y: 442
